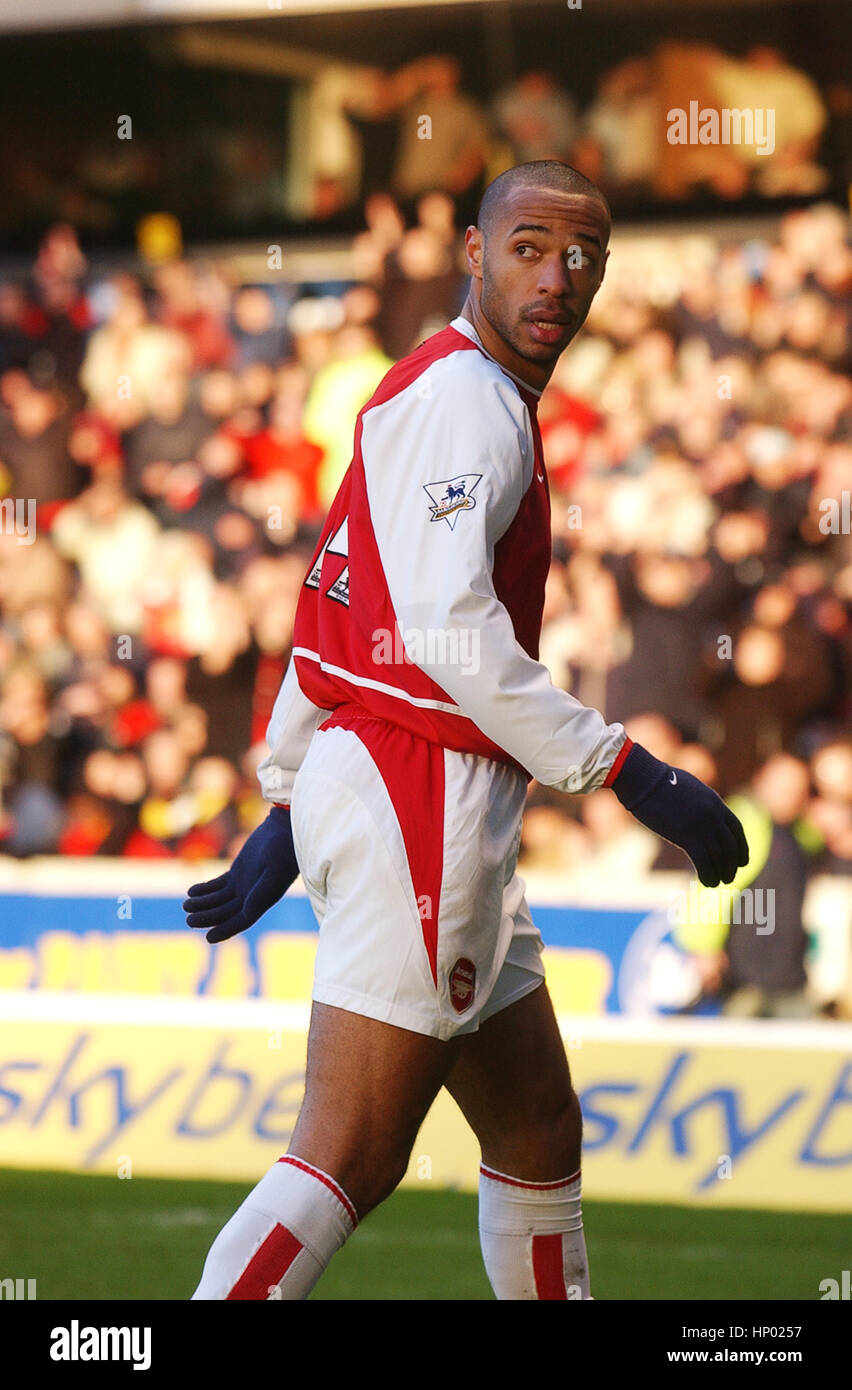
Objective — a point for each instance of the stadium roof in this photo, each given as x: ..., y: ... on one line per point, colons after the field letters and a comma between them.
x: 82, y: 14
x: 55, y: 14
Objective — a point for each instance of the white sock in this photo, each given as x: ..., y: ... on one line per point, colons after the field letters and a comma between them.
x: 532, y: 1237
x: 277, y: 1244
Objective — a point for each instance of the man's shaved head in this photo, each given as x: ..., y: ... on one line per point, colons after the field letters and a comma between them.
x: 538, y: 173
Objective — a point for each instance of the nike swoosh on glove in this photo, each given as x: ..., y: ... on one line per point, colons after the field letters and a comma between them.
x: 264, y: 869
x: 678, y: 806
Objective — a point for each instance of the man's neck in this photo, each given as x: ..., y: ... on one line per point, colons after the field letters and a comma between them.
x: 535, y: 377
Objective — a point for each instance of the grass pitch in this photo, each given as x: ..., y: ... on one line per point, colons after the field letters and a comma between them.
x: 83, y: 1237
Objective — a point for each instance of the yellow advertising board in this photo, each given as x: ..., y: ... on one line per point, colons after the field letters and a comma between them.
x: 710, y: 1112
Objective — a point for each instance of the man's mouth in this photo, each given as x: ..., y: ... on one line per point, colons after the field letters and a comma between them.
x: 547, y: 328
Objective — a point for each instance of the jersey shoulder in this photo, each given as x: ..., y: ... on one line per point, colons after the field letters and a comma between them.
x: 456, y: 379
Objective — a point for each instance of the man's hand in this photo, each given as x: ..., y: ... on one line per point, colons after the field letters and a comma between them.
x: 676, y: 805
x: 262, y: 872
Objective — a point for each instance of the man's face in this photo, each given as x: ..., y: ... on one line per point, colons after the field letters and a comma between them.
x: 540, y: 267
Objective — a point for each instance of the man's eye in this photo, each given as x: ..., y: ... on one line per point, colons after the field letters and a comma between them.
x: 525, y: 246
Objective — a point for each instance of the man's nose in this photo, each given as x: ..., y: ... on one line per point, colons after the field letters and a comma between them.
x: 555, y: 277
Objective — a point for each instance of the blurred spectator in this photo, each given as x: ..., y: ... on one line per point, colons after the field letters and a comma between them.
x: 831, y: 807
x: 618, y: 144
x: 384, y: 232
x: 21, y: 325
x: 669, y: 601
x: 778, y: 677
x: 259, y: 327
x: 172, y: 430
x: 450, y: 153
x: 326, y: 162
x: 762, y: 82
x: 538, y: 119
x: 34, y: 456
x: 62, y: 314
x: 181, y: 305
x: 112, y: 539
x: 338, y: 391
x: 30, y: 758
x: 749, y: 939
x: 422, y: 288
x: 129, y: 357
x: 284, y: 449
x: 766, y: 81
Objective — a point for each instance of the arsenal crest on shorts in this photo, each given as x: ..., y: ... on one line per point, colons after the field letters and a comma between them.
x: 462, y: 984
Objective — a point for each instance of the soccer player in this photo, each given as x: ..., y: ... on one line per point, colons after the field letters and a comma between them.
x: 412, y: 715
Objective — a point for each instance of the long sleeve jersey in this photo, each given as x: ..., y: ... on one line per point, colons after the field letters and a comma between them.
x: 423, y: 601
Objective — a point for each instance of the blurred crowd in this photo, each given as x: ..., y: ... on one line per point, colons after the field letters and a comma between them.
x: 699, y: 442
x: 181, y: 434
x: 445, y: 139
x: 339, y: 131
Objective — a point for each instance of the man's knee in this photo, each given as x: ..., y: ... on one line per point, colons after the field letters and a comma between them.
x: 369, y: 1167
x: 558, y: 1120
x: 370, y: 1176
x: 545, y: 1147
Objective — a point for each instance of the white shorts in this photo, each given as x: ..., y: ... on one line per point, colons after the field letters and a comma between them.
x: 407, y: 851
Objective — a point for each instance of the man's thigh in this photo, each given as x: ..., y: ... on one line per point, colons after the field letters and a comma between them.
x: 512, y: 1082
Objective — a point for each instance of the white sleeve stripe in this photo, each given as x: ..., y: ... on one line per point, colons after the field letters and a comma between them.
x: 384, y: 689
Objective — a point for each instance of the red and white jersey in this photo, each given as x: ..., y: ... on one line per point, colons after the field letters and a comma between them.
x: 424, y: 598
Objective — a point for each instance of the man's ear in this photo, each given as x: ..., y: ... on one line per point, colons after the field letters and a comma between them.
x: 474, y: 248
x: 603, y: 269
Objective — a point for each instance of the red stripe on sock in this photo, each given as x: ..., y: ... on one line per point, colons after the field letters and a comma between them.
x: 533, y: 1186
x: 267, y: 1266
x: 327, y: 1182
x: 548, y: 1270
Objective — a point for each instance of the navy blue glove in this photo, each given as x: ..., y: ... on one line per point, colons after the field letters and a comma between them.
x: 262, y: 872
x: 679, y: 807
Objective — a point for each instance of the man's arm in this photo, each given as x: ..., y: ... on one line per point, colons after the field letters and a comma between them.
x: 460, y: 421
x: 291, y: 727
